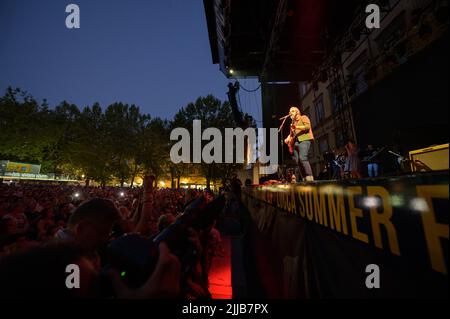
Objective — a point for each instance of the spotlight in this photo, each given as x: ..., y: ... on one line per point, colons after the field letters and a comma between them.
x: 371, y: 202
x: 122, y: 194
x: 231, y: 71
x: 77, y: 195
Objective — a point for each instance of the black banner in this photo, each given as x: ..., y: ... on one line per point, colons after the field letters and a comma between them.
x: 382, y: 238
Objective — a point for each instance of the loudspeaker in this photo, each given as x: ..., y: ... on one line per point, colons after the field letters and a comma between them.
x: 433, y: 158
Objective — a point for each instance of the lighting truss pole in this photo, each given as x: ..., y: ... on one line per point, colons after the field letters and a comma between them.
x: 277, y: 28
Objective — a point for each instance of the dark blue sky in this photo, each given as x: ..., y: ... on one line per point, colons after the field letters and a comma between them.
x: 154, y: 54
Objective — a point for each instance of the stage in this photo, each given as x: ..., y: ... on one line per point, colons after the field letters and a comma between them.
x: 318, y: 239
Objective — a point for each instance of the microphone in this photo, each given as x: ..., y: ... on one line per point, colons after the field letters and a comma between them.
x: 285, y: 117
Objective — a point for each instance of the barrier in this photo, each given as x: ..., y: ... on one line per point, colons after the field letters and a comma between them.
x: 320, y: 239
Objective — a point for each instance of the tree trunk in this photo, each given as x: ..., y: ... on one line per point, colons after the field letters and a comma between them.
x: 178, y: 182
x: 134, y: 175
x: 208, y: 177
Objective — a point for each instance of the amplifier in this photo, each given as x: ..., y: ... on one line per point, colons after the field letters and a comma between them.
x: 433, y: 158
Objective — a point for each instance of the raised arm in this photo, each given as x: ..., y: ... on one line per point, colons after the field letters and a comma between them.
x: 147, y: 213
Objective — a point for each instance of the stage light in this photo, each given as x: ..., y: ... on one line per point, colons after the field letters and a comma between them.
x: 419, y: 205
x: 82, y: 176
x: 122, y: 194
x: 231, y: 71
x: 76, y: 195
x: 371, y: 202
x: 397, y: 201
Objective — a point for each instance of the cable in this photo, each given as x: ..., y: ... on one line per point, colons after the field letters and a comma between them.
x: 246, y: 90
x: 239, y: 101
x: 257, y: 109
x: 251, y: 91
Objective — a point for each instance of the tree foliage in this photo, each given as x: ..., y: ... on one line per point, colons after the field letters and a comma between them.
x: 213, y: 113
x: 116, y: 143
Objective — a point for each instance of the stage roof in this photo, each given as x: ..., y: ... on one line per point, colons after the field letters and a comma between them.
x: 240, y: 33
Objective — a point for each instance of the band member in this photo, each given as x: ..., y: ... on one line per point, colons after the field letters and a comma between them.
x: 371, y: 160
x: 353, y: 163
x: 337, y: 164
x: 299, y: 141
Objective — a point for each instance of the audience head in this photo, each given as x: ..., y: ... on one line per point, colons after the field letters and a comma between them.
x: 91, y: 222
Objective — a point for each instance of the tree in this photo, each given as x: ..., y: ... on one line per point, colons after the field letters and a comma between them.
x: 22, y: 126
x: 57, y: 139
x: 90, y: 150
x: 153, y: 151
x: 116, y: 144
x: 213, y: 113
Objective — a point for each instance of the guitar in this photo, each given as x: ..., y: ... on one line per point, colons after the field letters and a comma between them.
x: 369, y: 158
x: 400, y: 159
x: 340, y: 161
x: 290, y: 140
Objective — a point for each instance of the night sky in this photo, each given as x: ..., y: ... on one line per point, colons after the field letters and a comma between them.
x: 154, y: 54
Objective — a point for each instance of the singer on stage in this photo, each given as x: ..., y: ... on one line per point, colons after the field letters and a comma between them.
x: 300, y: 140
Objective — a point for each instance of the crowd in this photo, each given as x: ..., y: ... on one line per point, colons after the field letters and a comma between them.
x: 44, y: 228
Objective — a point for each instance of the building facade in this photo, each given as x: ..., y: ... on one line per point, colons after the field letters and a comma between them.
x: 360, y: 60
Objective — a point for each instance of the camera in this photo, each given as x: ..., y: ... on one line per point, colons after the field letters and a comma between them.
x: 134, y: 257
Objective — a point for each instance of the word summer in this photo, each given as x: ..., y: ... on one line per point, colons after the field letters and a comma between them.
x: 369, y: 214
x: 234, y: 146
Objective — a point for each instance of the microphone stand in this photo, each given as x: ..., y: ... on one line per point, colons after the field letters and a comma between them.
x: 280, y: 129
